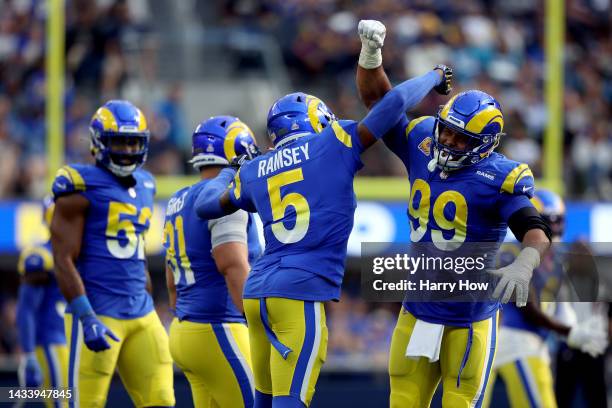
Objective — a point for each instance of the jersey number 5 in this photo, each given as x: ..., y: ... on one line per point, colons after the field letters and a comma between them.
x: 120, y: 225
x: 279, y: 207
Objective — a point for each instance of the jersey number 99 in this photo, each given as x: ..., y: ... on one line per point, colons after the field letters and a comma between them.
x: 420, y: 213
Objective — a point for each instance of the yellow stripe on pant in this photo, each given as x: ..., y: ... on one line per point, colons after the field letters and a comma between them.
x: 216, y: 360
x: 529, y: 383
x: 53, y: 360
x: 142, y: 357
x: 300, y: 326
x: 414, y: 381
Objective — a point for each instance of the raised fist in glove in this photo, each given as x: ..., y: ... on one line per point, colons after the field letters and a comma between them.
x: 444, y: 87
x: 516, y: 276
x: 589, y: 336
x: 372, y: 34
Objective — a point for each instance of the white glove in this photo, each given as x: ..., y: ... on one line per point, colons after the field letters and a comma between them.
x: 589, y: 336
x: 372, y: 34
x: 516, y: 276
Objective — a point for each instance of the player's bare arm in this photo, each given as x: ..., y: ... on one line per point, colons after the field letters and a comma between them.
x: 66, y: 237
x: 372, y: 81
x: 232, y: 261
x: 171, y: 287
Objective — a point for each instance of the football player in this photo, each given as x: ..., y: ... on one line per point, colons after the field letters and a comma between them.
x: 461, y: 191
x: 102, y: 212
x: 523, y: 359
x: 40, y: 317
x: 207, y: 265
x: 303, y: 192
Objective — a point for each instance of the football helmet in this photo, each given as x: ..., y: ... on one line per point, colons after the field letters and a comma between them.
x: 119, y: 123
x: 296, y: 115
x: 474, y: 114
x: 217, y: 140
x: 552, y: 208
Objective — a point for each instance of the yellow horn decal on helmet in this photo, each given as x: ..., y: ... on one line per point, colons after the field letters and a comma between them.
x: 483, y: 118
x: 106, y: 117
x: 446, y: 108
x: 142, y: 121
x: 234, y: 130
x: 313, y: 104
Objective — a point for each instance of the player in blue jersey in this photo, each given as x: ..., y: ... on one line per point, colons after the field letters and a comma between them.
x: 523, y: 359
x: 102, y: 212
x: 207, y: 265
x: 303, y: 192
x: 461, y: 191
x: 40, y: 317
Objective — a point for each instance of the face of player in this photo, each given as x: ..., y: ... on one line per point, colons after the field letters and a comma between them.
x: 453, y: 139
x: 127, y: 146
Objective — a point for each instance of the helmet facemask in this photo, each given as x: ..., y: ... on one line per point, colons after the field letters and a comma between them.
x: 473, y: 148
x: 121, y: 153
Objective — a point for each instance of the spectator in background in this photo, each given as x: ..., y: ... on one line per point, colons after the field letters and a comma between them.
x: 592, y: 156
x: 517, y: 145
x: 171, y: 118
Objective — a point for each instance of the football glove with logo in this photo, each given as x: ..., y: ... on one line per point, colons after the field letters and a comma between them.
x: 516, y: 276
x: 444, y: 87
x: 95, y: 332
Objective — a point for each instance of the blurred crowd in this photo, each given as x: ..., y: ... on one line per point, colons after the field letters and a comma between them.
x: 497, y: 46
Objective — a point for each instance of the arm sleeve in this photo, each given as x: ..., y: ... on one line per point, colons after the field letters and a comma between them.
x: 30, y: 297
x: 231, y: 228
x: 396, y: 140
x: 389, y: 111
x: 239, y: 194
x: 525, y: 219
x: 207, y: 204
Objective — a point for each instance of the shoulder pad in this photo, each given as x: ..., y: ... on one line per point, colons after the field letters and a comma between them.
x: 35, y: 259
x: 342, y: 130
x: 421, y: 126
x: 68, y: 179
x: 513, y: 177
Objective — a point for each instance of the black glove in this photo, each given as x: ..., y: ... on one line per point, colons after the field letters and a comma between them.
x: 252, y: 151
x: 444, y: 87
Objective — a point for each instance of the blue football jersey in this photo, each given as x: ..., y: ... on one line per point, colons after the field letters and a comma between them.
x: 112, y: 259
x: 304, y: 195
x: 202, y: 293
x: 471, y: 204
x: 50, y: 313
x: 546, y: 281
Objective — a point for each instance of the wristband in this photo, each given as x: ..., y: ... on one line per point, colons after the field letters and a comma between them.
x: 81, y: 307
x: 370, y: 58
